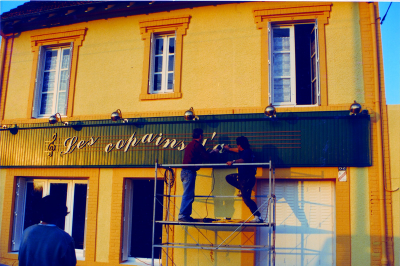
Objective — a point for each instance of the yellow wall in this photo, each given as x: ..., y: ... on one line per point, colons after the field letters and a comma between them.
x: 360, y: 224
x: 394, y: 144
x: 220, y: 66
x: 343, y: 41
x: 104, y: 215
x: 2, y: 185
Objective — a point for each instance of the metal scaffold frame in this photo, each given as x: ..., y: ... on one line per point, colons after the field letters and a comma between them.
x: 269, y: 222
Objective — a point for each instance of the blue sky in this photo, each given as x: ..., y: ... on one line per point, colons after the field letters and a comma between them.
x: 390, y: 44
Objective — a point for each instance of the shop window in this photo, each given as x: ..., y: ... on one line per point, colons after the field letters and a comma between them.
x: 28, y: 193
x: 52, y: 81
x: 294, y: 78
x: 138, y: 221
x: 161, y: 79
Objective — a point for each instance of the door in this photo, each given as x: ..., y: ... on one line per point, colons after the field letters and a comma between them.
x: 305, y: 215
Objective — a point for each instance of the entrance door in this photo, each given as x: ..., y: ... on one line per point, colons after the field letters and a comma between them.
x: 305, y: 215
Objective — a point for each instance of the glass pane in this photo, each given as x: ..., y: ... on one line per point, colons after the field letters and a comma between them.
x: 51, y: 60
x: 65, y: 59
x: 312, y: 43
x: 34, y: 192
x: 170, y: 81
x: 59, y: 190
x: 48, y: 81
x: 64, y: 80
x: 62, y: 103
x: 313, y: 67
x: 281, y: 39
x: 171, y: 45
x: 282, y: 64
x: 157, y: 82
x: 282, y: 90
x: 46, y: 104
x: 159, y: 46
x: 158, y: 63
x: 171, y: 61
x: 78, y: 221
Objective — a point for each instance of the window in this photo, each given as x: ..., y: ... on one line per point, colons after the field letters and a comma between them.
x: 162, y: 65
x: 161, y: 78
x: 28, y: 193
x: 138, y: 221
x: 55, y: 60
x: 294, y: 65
x: 300, y: 80
x: 52, y: 81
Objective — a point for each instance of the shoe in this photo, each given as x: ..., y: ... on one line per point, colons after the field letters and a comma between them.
x: 187, y: 220
x: 257, y: 219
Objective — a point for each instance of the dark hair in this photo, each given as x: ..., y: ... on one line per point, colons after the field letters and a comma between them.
x: 197, y: 133
x: 243, y: 142
x: 52, y: 208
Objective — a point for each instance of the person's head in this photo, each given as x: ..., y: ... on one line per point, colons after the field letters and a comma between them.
x: 242, y: 143
x: 52, y: 209
x: 197, y: 133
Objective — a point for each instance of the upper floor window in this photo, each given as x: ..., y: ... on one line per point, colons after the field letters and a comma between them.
x: 55, y: 60
x: 161, y: 78
x: 162, y: 66
x: 52, y: 81
x: 294, y: 65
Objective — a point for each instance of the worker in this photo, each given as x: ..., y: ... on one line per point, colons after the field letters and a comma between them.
x: 195, y: 153
x: 245, y: 179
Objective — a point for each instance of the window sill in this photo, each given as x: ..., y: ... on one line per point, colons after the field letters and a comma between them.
x: 141, y: 262
x: 159, y: 96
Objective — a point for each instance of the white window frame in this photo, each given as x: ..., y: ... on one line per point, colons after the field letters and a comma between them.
x: 57, y: 80
x: 271, y: 54
x: 19, y: 209
x: 165, y: 62
x: 127, y: 229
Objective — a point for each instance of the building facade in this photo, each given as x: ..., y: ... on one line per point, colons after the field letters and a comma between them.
x: 67, y: 67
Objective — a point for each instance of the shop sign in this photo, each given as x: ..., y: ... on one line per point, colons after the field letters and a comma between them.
x: 342, y: 174
x: 72, y: 144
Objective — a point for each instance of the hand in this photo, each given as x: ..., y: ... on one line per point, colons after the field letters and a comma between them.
x: 229, y: 163
x: 226, y: 147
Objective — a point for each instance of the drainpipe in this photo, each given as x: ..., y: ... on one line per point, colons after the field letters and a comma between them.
x: 3, y: 58
x: 382, y: 199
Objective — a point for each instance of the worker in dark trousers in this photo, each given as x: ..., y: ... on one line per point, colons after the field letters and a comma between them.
x: 195, y: 153
x: 246, y: 177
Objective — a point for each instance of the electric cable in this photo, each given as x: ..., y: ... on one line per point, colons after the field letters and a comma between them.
x: 169, y: 182
x: 212, y: 189
x: 386, y: 13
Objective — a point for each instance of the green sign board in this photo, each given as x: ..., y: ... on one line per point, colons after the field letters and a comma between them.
x: 290, y: 139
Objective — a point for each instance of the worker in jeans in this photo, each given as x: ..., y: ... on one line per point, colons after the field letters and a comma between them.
x: 246, y: 177
x: 195, y: 153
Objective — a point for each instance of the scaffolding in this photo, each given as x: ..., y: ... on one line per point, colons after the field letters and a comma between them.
x: 269, y: 221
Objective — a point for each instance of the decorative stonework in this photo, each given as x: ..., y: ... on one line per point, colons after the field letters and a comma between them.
x: 179, y: 25
x: 75, y: 36
x: 281, y: 12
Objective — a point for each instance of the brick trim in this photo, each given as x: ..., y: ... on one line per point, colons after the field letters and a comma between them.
x: 76, y: 36
x: 179, y: 25
x: 292, y: 13
x: 92, y: 175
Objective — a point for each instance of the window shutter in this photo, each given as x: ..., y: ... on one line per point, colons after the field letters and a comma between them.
x: 151, y: 58
x: 318, y: 91
x: 269, y: 64
x: 38, y: 83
